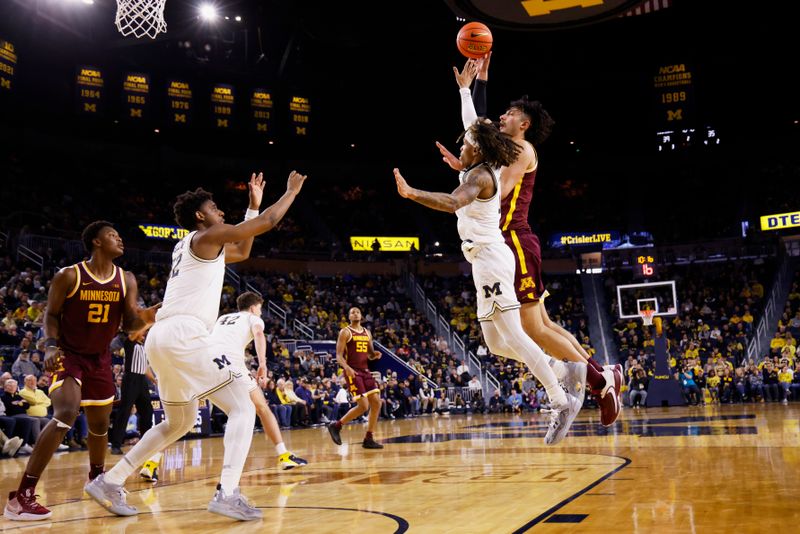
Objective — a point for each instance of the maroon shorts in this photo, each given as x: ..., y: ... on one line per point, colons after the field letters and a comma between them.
x: 362, y: 384
x: 93, y: 374
x: 528, y: 258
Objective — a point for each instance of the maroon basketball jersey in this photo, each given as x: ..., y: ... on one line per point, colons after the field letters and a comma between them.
x: 92, y: 312
x: 514, y: 208
x: 357, y: 349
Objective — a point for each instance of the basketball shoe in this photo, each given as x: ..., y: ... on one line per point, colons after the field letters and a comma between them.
x: 23, y: 507
x: 234, y: 506
x: 288, y: 461
x: 149, y: 471
x: 109, y: 496
x: 608, y: 397
x: 336, y: 432
x: 561, y: 418
x: 575, y: 379
x: 370, y: 443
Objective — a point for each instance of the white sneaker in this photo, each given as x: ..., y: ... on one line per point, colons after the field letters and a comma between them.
x: 109, y: 496
x: 62, y: 447
x: 12, y: 445
x: 26, y: 449
x: 575, y: 379
x: 561, y: 419
x: 234, y: 506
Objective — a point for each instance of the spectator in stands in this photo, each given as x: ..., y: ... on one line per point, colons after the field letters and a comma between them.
x: 37, y: 400
x: 712, y: 384
x: 474, y: 384
x: 496, y: 403
x: 770, y: 382
x: 299, y: 408
x: 691, y: 393
x: 638, y: 385
x: 795, y: 387
x: 426, y: 398
x: 16, y: 407
x: 514, y: 401
x: 727, y: 387
x: 477, y: 404
x: 9, y: 446
x: 412, y: 400
x: 755, y: 384
x: 283, y: 412
x: 785, y: 377
x: 23, y: 365
x: 303, y: 392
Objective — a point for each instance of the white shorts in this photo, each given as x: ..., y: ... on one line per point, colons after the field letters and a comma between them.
x: 493, y: 270
x: 242, y: 374
x: 187, y: 362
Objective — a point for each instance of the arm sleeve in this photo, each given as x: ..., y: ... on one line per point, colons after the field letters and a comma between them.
x: 479, y: 98
x: 468, y: 113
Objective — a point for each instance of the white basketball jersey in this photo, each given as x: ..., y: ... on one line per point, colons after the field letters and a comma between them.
x: 195, y: 285
x: 479, y: 221
x: 234, y: 331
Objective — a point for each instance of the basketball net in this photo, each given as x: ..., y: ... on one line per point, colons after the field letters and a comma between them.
x: 141, y: 18
x: 647, y: 316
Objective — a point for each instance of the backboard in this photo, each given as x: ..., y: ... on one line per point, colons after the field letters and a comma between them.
x: 658, y: 296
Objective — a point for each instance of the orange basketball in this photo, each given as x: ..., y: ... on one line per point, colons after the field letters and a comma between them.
x: 474, y: 40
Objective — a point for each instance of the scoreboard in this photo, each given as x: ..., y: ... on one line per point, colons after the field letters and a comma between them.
x: 645, y: 266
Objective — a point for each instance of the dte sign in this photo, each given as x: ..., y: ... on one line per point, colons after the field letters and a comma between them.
x: 780, y: 220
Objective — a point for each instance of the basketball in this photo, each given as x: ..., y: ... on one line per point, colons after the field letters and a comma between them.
x: 474, y: 40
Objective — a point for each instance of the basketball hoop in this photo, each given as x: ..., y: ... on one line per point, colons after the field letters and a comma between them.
x: 141, y: 18
x: 647, y: 316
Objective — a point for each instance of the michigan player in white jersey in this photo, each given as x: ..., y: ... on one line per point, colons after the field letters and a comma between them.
x: 476, y: 203
x: 233, y: 332
x: 189, y: 365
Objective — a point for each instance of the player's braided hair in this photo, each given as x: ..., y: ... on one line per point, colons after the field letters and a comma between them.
x: 91, y: 232
x: 541, y: 122
x: 497, y: 148
x: 187, y: 204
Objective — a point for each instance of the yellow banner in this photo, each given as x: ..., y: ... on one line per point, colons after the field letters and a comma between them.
x: 780, y: 220
x: 384, y: 244
x: 158, y: 231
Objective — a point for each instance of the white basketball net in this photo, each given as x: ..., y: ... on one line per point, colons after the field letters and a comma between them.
x: 647, y: 316
x: 141, y: 18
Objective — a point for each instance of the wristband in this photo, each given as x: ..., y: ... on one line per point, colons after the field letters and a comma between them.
x: 51, y: 342
x: 250, y: 214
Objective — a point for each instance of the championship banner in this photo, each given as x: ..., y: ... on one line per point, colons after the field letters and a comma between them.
x: 261, y: 107
x: 673, y: 85
x: 222, y: 106
x: 780, y: 221
x: 160, y: 231
x: 89, y: 85
x: 384, y: 244
x: 179, y: 99
x: 136, y: 96
x: 300, y: 110
x: 8, y: 63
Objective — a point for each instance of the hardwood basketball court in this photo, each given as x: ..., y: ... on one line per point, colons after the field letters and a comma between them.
x: 660, y: 470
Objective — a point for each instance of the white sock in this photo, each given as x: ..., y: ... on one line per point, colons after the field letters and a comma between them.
x: 155, y: 458
x: 234, y: 400
x: 280, y: 448
x: 559, y: 368
x: 178, y: 421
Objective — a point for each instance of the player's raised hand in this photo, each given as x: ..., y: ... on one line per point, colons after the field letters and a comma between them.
x: 402, y: 187
x: 256, y: 190
x: 467, y: 74
x: 295, y: 183
x: 449, y: 158
x: 482, y: 66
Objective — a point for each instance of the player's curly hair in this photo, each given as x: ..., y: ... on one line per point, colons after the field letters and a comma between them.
x: 497, y: 148
x: 91, y: 232
x: 541, y: 121
x: 247, y: 299
x: 187, y: 204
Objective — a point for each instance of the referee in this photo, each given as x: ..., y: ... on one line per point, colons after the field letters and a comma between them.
x: 134, y: 391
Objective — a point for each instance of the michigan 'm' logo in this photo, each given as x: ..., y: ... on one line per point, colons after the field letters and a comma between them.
x: 493, y: 290
x: 676, y: 115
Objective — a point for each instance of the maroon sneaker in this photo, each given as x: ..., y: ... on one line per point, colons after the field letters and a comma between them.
x: 608, y: 397
x: 23, y: 507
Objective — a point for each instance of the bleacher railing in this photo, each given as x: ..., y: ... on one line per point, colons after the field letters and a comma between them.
x: 769, y: 317
x: 303, y: 329
x: 30, y: 255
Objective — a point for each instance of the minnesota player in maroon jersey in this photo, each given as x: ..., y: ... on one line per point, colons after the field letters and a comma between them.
x: 86, y: 304
x: 529, y: 124
x: 353, y: 349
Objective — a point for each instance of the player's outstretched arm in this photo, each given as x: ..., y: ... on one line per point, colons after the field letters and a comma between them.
x: 241, y: 250
x: 449, y: 202
x: 221, y: 234
x: 63, y: 282
x: 479, y: 98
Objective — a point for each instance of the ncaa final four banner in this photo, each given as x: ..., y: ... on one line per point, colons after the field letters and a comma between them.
x: 673, y: 84
x: 136, y: 96
x: 300, y: 115
x: 222, y: 102
x: 89, y: 89
x: 179, y: 100
x: 261, y: 106
x: 8, y: 64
